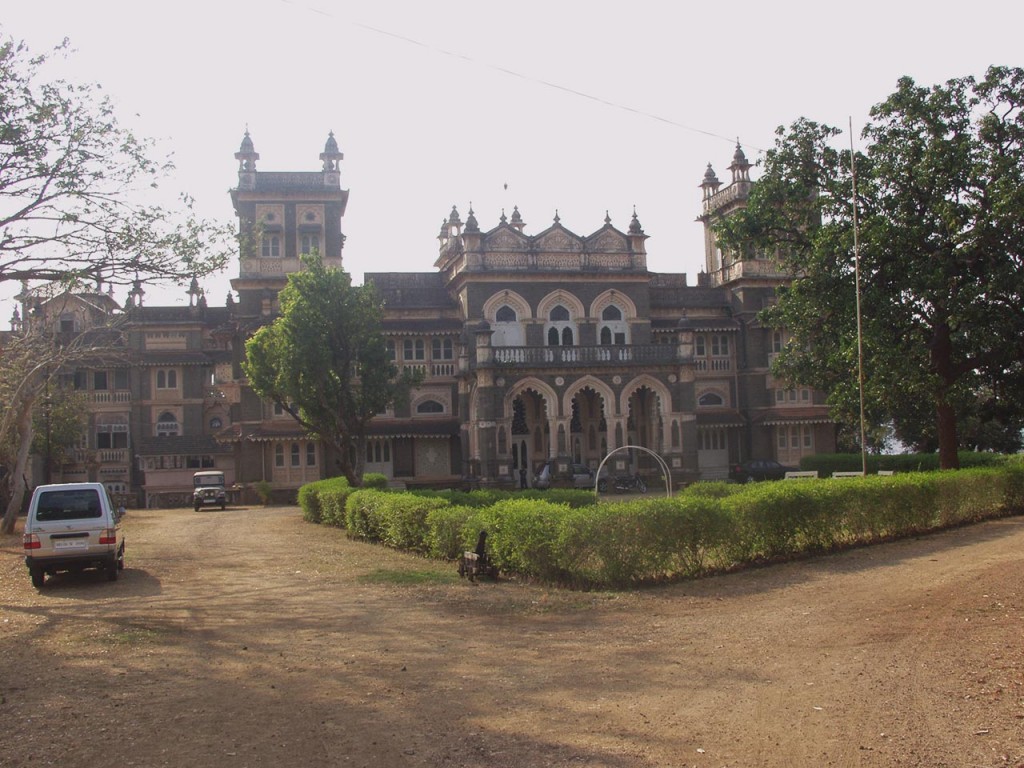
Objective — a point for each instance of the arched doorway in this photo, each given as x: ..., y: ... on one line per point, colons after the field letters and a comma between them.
x: 588, y: 427
x: 530, y: 433
x: 644, y: 425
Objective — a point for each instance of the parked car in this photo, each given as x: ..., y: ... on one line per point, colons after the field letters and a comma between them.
x: 758, y: 469
x: 209, y: 490
x: 71, y: 527
x: 582, y: 476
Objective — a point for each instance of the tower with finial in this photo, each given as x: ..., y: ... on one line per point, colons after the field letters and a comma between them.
x: 284, y: 216
x: 246, y: 157
x: 717, y: 203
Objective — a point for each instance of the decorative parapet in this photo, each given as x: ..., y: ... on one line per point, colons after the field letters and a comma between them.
x: 739, y: 190
x: 761, y: 268
x: 584, y: 356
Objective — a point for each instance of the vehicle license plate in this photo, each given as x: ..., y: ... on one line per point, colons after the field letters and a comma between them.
x: 71, y: 544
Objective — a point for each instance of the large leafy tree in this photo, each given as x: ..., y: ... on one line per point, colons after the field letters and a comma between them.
x: 73, y: 182
x: 940, y: 201
x: 324, y: 360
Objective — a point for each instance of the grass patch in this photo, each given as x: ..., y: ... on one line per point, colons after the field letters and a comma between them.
x: 134, y: 636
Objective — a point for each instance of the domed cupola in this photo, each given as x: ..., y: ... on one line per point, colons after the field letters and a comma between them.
x: 247, y: 157
x: 331, y: 154
x: 740, y: 165
x: 710, y: 184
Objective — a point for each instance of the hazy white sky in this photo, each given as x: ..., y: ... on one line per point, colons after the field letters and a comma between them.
x: 447, y: 102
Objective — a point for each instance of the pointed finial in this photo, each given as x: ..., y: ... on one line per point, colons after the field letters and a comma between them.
x: 557, y: 219
x: 607, y: 218
x: 634, y: 225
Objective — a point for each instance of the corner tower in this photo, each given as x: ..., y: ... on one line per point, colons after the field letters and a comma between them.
x: 281, y: 217
x: 719, y: 203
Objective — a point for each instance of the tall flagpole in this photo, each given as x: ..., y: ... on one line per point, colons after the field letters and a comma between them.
x: 860, y: 334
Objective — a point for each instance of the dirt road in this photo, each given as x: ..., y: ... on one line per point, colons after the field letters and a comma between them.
x: 249, y: 638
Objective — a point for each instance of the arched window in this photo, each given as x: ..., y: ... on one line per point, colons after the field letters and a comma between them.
x: 442, y: 349
x: 414, y: 349
x: 614, y: 330
x: 561, y: 330
x: 506, y: 314
x: 710, y: 399
x: 508, y: 331
x: 295, y: 454
x: 167, y: 425
x: 279, y: 455
x: 430, y: 406
x: 166, y: 379
x: 310, y: 454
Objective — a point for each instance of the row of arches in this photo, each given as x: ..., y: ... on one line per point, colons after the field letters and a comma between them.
x: 585, y: 422
x: 561, y: 312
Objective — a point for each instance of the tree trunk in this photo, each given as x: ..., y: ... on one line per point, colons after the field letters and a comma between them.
x: 946, y: 427
x: 24, y: 431
x: 945, y: 417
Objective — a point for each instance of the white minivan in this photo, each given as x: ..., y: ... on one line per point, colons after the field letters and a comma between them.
x: 70, y: 527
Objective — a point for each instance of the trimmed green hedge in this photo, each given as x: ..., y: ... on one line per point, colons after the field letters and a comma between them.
x: 396, y: 519
x: 314, y: 496
x: 827, y: 463
x: 486, y: 498
x: 707, y: 527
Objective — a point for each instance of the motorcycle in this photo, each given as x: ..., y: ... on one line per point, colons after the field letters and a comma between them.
x: 628, y: 483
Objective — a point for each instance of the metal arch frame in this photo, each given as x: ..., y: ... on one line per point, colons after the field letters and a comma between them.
x: 664, y: 467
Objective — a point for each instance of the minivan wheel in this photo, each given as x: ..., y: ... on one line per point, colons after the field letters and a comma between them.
x: 38, y: 576
x: 112, y: 569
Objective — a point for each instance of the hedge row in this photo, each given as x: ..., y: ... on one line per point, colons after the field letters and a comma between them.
x: 486, y: 498
x: 710, y: 526
x: 827, y: 463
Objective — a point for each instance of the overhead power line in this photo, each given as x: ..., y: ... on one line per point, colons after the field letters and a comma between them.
x: 519, y: 75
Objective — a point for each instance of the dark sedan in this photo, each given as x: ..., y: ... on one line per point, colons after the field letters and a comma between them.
x: 759, y: 469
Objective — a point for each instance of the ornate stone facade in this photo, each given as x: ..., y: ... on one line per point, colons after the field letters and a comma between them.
x: 549, y: 347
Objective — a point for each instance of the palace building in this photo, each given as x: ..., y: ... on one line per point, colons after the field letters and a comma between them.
x: 551, y: 346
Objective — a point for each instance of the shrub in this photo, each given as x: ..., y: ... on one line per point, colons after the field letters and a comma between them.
x: 375, y: 480
x: 446, y: 531
x: 363, y: 516
x: 396, y: 519
x: 332, y: 496
x: 711, y: 489
x: 639, y: 540
x: 522, y: 534
x: 646, y: 539
x: 486, y: 498
x: 309, y: 503
x: 827, y: 463
x: 264, y: 490
x: 310, y: 497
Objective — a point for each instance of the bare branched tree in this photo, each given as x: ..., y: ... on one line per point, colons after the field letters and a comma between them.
x: 34, y: 360
x: 72, y: 182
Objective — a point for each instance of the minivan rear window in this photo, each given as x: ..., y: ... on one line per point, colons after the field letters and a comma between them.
x: 78, y: 504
